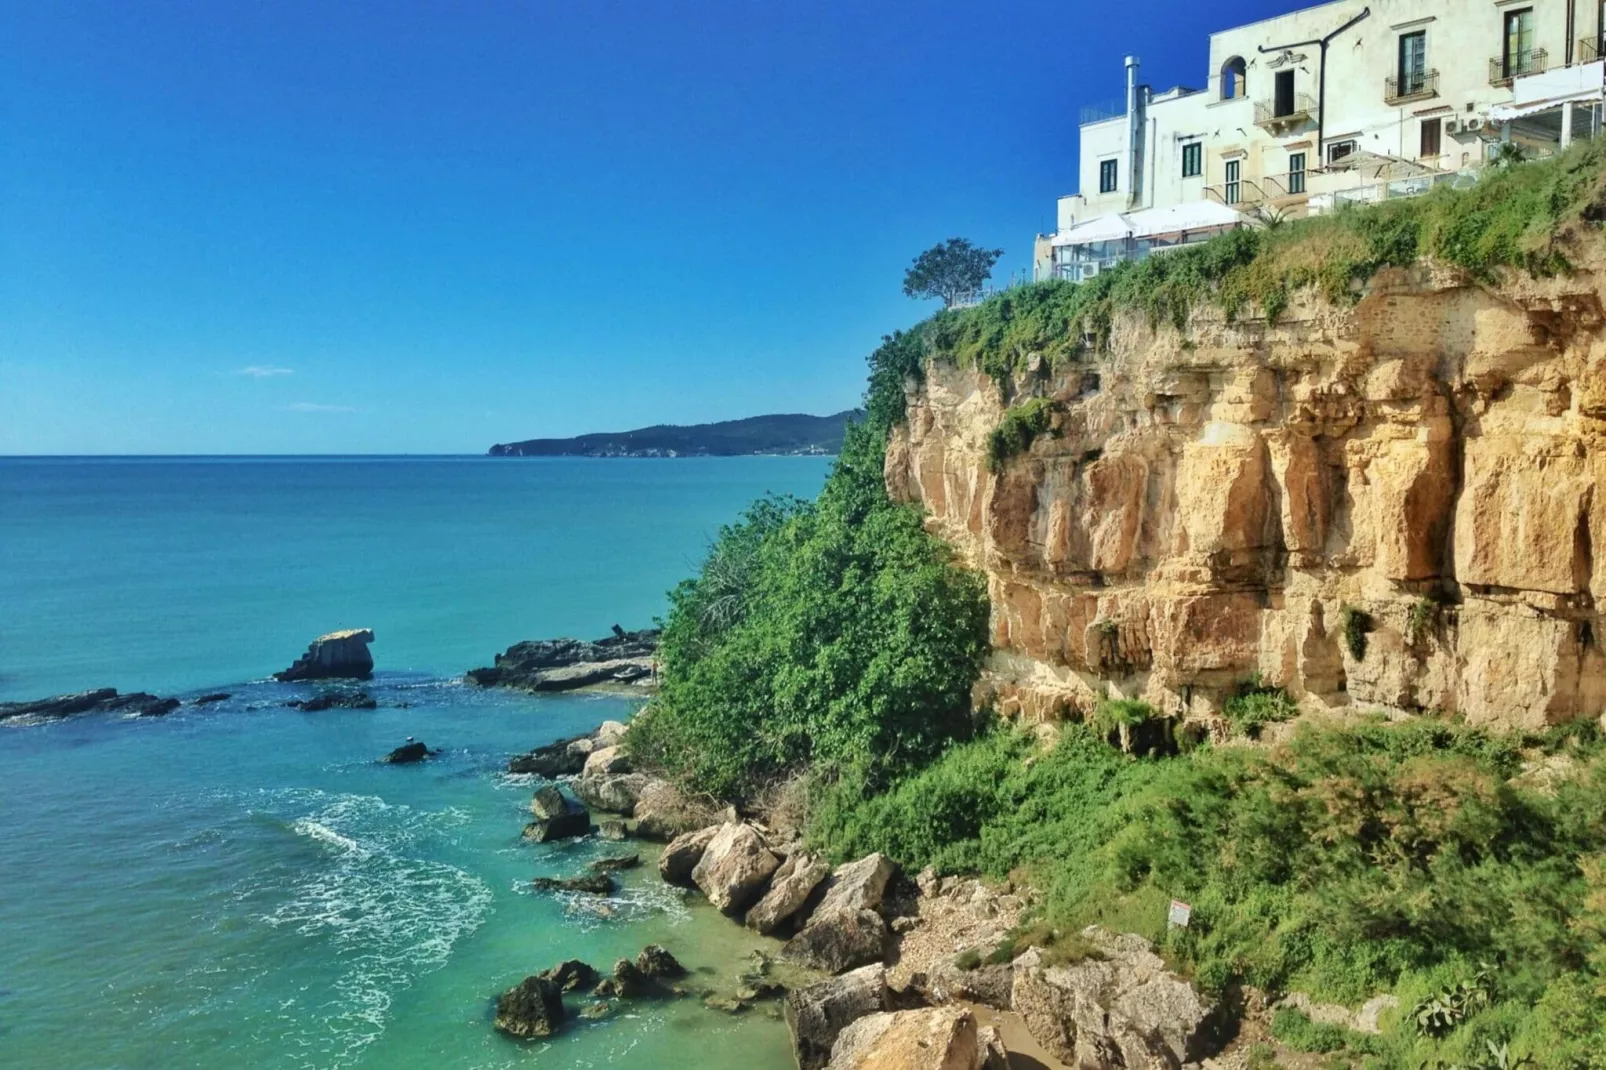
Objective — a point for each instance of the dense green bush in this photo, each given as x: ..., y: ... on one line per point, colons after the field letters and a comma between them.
x: 1020, y: 425
x: 836, y: 632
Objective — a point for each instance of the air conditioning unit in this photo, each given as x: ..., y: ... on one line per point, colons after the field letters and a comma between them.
x: 1472, y: 124
x: 1089, y: 270
x: 1452, y: 125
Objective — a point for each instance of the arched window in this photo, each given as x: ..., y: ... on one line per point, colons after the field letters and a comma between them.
x: 1234, y: 75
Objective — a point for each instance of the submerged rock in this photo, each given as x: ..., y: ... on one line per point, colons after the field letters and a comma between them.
x: 207, y: 700
x: 100, y: 700
x: 591, y: 883
x: 342, y: 654
x: 566, y: 664
x: 335, y: 700
x: 533, y: 1008
x: 615, y: 863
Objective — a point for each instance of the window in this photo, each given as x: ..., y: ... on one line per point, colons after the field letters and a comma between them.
x: 1234, y: 77
x: 1285, y: 94
x: 1296, y: 172
x: 1519, y: 44
x: 1233, y: 191
x: 1413, y: 63
x: 1432, y: 131
x: 1107, y: 173
x: 1338, y: 150
x: 1193, y: 159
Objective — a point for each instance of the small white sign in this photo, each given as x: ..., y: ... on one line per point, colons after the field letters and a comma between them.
x: 1180, y: 913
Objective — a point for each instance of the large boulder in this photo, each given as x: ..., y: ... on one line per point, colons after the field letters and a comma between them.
x: 570, y: 975
x: 655, y: 961
x: 1122, y: 1009
x: 680, y: 858
x: 735, y: 867
x: 933, y: 1038
x: 556, y: 818
x: 817, y: 1014
x: 859, y: 885
x: 606, y: 761
x: 342, y: 654
x: 100, y: 700
x: 838, y: 940
x: 614, y: 794
x: 846, y: 929
x: 789, y: 890
x: 611, y: 733
x: 533, y: 1008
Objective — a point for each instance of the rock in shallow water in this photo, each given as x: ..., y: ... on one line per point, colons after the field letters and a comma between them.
x: 338, y: 655
x: 533, y: 1008
x: 407, y: 753
x: 100, y: 700
x: 335, y: 700
x: 566, y: 664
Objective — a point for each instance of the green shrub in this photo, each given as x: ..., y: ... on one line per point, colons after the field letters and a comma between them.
x: 1420, y: 622
x: 1017, y: 429
x: 1355, y: 624
x: 837, y: 632
x: 1253, y: 706
x: 1297, y: 1031
x: 968, y: 959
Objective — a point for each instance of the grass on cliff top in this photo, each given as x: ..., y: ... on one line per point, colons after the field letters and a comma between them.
x: 1381, y: 858
x: 1519, y: 216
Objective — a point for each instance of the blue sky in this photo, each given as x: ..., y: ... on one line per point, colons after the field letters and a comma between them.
x: 293, y: 227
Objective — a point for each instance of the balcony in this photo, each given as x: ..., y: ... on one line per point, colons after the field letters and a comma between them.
x: 1502, y: 69
x: 1244, y: 194
x: 1588, y: 50
x: 1285, y: 113
x: 1406, y: 88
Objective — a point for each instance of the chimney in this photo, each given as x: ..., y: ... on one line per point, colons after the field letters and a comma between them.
x: 1136, y: 133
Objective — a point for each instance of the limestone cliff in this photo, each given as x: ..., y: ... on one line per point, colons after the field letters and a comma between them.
x: 1426, y: 464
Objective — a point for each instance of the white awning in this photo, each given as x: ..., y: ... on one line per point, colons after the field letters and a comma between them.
x: 1118, y: 226
x: 1505, y: 113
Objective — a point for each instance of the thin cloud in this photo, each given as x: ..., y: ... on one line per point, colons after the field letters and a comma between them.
x: 264, y: 371
x: 313, y: 406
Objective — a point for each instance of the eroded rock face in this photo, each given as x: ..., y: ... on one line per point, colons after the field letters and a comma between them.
x: 1125, y: 1009
x: 1211, y: 499
x: 338, y: 655
x: 735, y: 867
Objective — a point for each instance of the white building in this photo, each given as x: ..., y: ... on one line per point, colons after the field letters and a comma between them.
x: 1349, y: 100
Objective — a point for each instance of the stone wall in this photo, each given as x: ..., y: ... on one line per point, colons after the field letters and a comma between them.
x: 1213, y: 499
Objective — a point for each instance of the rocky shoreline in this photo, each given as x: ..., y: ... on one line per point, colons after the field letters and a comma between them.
x: 623, y: 659
x: 882, y: 970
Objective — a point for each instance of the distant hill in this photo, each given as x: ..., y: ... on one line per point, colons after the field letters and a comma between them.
x: 783, y: 433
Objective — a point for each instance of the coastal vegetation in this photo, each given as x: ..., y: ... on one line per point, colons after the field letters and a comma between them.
x: 1461, y: 871
x: 950, y: 270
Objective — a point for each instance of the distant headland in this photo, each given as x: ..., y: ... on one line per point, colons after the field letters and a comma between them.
x: 788, y: 434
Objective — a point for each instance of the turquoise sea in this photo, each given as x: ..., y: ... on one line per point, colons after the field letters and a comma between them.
x: 241, y: 885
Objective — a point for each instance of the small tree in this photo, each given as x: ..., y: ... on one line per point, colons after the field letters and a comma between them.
x: 950, y: 270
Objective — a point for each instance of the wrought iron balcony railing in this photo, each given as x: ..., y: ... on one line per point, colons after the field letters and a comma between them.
x: 1415, y: 85
x: 1284, y: 112
x: 1502, y: 69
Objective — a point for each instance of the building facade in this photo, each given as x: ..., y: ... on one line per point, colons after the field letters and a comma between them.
x: 1348, y: 100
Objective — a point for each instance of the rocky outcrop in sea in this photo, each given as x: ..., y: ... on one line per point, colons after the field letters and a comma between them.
x: 338, y: 655
x: 568, y: 664
x: 100, y: 700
